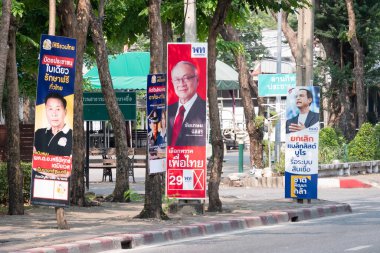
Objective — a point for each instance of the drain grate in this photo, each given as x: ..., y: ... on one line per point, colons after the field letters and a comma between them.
x: 127, y: 244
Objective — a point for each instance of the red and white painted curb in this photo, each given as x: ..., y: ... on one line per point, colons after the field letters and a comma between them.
x: 341, y: 183
x: 126, y: 241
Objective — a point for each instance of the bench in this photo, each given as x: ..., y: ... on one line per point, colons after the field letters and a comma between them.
x: 108, y: 162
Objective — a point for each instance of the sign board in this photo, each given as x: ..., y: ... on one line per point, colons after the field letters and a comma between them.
x: 302, y: 135
x: 94, y: 106
x: 187, y: 89
x: 156, y: 122
x: 53, y: 138
x: 272, y: 85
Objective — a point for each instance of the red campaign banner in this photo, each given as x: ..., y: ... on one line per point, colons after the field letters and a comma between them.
x: 186, y: 173
x: 186, y: 117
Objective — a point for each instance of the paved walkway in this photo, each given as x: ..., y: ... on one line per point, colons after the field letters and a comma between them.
x: 113, y: 226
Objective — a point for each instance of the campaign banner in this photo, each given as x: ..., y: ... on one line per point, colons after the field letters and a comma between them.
x: 53, y: 137
x: 156, y: 122
x: 302, y: 135
x: 186, y: 100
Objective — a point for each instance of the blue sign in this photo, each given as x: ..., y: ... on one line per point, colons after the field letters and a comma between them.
x: 156, y: 122
x: 272, y: 85
x: 301, y: 146
x: 54, y: 113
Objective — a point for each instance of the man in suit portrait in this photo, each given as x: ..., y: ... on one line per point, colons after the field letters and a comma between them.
x: 306, y: 118
x: 187, y: 117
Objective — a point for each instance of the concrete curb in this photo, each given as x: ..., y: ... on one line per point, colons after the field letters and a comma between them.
x: 244, y: 180
x: 127, y: 241
x: 342, y: 183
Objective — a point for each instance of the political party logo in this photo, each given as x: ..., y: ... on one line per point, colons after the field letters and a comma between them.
x: 198, y: 50
x: 46, y: 44
x: 301, y: 186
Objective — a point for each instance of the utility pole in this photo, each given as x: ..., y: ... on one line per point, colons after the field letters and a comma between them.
x: 190, y: 20
x: 305, y: 45
x: 191, y: 36
x: 305, y: 39
x: 277, y: 147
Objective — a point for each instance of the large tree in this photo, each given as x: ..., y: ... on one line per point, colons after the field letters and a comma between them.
x: 153, y: 183
x: 15, y: 173
x: 358, y: 63
x: 77, y: 26
x: 343, y: 64
x: 116, y: 117
x: 215, y: 204
x: 254, y: 124
x: 4, y: 29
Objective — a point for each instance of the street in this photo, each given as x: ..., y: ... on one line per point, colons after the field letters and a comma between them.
x: 356, y: 232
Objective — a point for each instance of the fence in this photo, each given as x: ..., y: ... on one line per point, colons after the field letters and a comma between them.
x: 26, y: 142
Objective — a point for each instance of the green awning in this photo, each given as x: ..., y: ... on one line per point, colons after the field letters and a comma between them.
x: 129, y: 72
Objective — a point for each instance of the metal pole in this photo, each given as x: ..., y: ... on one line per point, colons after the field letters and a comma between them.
x: 190, y: 20
x: 269, y: 131
x: 241, y: 155
x: 278, y: 98
x: 87, y: 154
x: 305, y: 39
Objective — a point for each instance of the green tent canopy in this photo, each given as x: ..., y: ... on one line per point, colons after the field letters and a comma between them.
x: 129, y: 72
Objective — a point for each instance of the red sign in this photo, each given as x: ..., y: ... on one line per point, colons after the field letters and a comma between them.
x: 186, y: 139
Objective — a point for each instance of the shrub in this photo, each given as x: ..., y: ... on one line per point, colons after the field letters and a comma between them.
x: 331, y: 145
x: 26, y: 168
x: 363, y: 146
x: 266, y: 152
x: 279, y: 167
x: 377, y: 138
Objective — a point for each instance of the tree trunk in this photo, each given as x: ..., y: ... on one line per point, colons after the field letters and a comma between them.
x: 77, y: 26
x: 153, y: 183
x: 254, y: 128
x: 15, y: 173
x: 5, y: 20
x: 358, y: 64
x: 339, y: 97
x: 167, y: 36
x: 215, y: 204
x: 289, y: 33
x: 28, y: 110
x: 116, y: 117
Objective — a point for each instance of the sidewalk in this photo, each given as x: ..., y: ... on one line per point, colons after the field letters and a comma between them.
x: 112, y: 226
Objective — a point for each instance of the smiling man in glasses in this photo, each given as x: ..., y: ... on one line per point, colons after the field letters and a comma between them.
x: 187, y: 117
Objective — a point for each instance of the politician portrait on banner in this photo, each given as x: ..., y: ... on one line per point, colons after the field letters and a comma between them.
x: 186, y: 133
x: 53, y: 137
x: 156, y: 122
x: 302, y: 135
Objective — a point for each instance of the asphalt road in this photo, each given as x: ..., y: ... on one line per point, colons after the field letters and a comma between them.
x: 356, y: 232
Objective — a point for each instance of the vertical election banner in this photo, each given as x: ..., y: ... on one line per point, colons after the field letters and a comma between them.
x: 186, y: 96
x: 302, y: 134
x: 156, y: 121
x: 53, y: 138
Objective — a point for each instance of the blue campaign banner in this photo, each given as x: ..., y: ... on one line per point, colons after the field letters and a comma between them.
x: 271, y: 85
x: 56, y: 70
x: 301, y: 186
x: 302, y: 140
x: 54, y: 113
x: 156, y: 122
